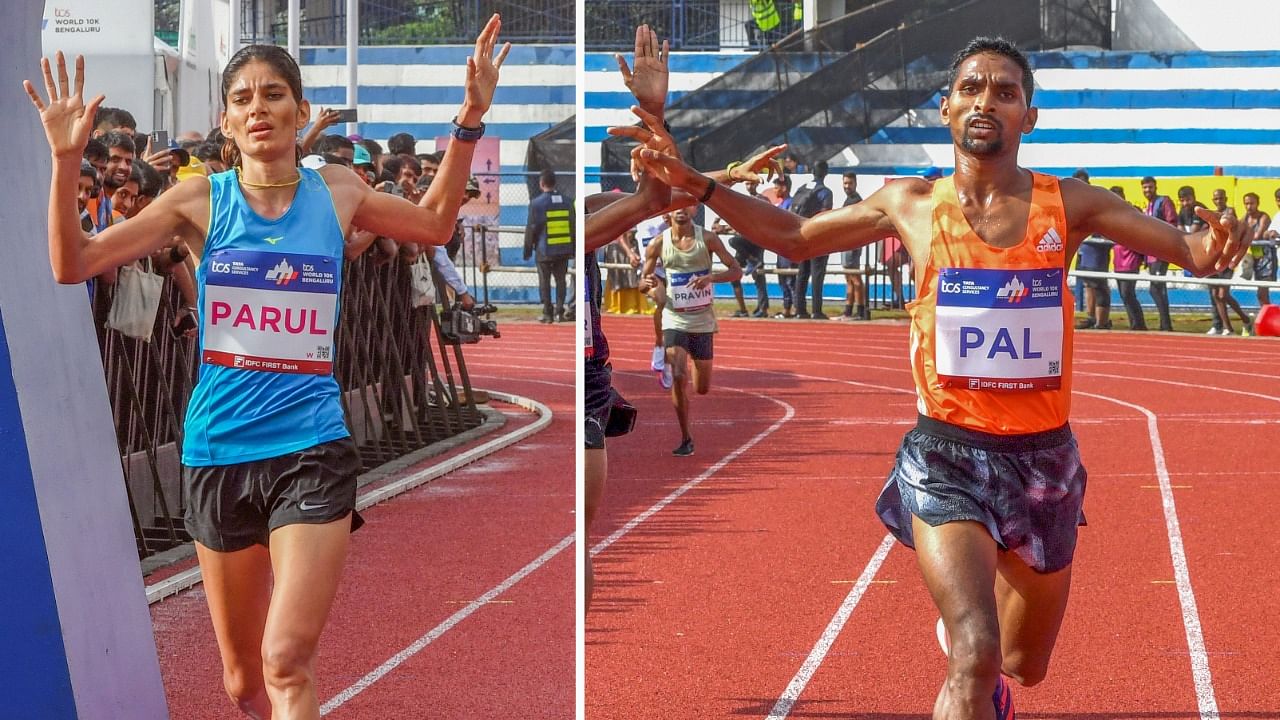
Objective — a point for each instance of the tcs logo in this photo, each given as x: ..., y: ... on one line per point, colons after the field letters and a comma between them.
x: 948, y: 287
x: 219, y: 267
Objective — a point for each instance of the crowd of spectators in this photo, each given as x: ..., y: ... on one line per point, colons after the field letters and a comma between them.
x: 1096, y: 253
x: 1100, y: 254
x: 123, y: 171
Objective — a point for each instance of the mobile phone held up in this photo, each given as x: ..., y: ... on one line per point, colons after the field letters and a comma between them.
x: 347, y: 115
x: 159, y: 140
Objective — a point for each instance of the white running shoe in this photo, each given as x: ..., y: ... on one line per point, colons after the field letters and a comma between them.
x: 944, y: 640
x: 665, y: 377
x: 659, y: 359
x: 1215, y: 331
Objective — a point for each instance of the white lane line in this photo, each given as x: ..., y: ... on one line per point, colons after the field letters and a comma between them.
x: 1191, y: 619
x: 782, y: 708
x: 675, y: 494
x: 399, y: 658
x: 1186, y: 595
x: 191, y: 577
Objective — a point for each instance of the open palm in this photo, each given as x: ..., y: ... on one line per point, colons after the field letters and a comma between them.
x: 67, y: 120
x: 483, y: 67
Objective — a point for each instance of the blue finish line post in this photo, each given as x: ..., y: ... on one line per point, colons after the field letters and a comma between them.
x: 77, y: 635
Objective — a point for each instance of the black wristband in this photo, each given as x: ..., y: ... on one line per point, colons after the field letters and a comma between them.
x: 711, y: 187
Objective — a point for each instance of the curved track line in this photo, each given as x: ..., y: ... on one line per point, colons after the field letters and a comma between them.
x: 717, y: 467
x: 191, y: 577
x: 1186, y: 595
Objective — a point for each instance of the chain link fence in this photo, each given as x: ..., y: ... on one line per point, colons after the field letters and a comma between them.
x: 410, y: 22
x: 492, y: 257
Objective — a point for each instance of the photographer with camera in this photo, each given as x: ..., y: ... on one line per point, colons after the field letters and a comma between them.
x: 549, y: 231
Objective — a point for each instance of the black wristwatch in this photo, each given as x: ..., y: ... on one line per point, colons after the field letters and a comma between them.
x: 467, y: 134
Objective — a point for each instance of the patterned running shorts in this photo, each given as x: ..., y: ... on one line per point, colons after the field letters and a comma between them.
x: 1028, y: 490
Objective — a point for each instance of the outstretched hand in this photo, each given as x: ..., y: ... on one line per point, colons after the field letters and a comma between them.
x: 648, y: 80
x: 67, y: 120
x: 482, y: 72
x: 1226, y: 242
x: 651, y: 135
x: 766, y: 162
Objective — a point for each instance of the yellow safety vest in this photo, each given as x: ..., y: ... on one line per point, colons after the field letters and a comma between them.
x: 797, y: 11
x: 765, y: 13
x: 558, y: 224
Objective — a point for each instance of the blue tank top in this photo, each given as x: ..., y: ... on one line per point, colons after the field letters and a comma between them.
x: 268, y: 314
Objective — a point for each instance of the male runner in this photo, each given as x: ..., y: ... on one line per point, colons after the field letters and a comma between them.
x: 688, y: 317
x: 988, y: 487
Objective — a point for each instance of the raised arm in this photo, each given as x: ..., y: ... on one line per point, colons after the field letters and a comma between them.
x: 431, y: 220
x: 611, y: 220
x: 327, y: 119
x: 73, y: 256
x: 1093, y: 210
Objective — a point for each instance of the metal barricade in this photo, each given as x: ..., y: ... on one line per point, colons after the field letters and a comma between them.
x: 403, y: 385
x: 883, y: 266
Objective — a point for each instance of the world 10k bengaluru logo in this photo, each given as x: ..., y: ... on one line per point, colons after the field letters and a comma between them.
x: 283, y: 273
x: 65, y: 22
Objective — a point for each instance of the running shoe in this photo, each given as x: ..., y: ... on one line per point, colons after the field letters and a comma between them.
x: 659, y: 359
x: 1247, y: 330
x: 665, y: 378
x: 1214, y: 331
x: 685, y: 449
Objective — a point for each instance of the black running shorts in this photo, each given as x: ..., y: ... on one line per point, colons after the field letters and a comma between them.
x: 597, y: 398
x: 700, y: 346
x: 232, y: 507
x: 1028, y: 490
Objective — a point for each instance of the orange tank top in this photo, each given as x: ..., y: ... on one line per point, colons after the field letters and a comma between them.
x: 991, y: 327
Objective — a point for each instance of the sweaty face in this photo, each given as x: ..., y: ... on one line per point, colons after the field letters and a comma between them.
x: 987, y: 108
x: 1220, y: 200
x: 263, y: 117
x: 680, y: 217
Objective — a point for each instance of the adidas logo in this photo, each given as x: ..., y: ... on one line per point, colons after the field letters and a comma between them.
x: 1051, y: 242
x: 283, y: 274
x: 1013, y: 291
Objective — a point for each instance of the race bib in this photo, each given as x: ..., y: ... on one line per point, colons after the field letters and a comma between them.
x: 685, y: 298
x: 999, y: 329
x: 272, y: 312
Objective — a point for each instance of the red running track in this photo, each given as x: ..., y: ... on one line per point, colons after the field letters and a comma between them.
x: 727, y: 601
x: 424, y: 556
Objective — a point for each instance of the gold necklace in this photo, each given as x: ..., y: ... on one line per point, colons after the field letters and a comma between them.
x: 264, y: 186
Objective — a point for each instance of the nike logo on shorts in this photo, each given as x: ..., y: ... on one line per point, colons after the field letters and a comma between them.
x: 305, y: 506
